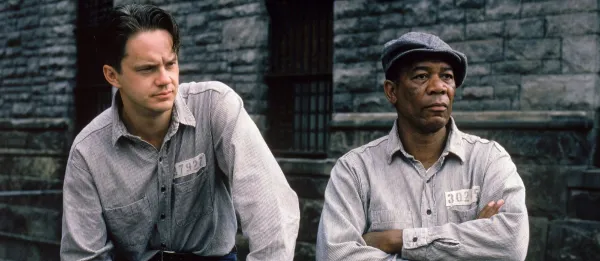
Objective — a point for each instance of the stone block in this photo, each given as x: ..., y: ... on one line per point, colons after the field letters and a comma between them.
x: 551, y: 66
x: 30, y: 221
x: 390, y: 34
x: 354, y: 40
x: 372, y: 102
x: 196, y: 21
x: 517, y: 67
x: 538, y: 231
x: 309, y: 220
x: 573, y: 240
x: 343, y: 9
x: 358, y: 54
x: 556, y: 92
x: 478, y: 69
x: 305, y: 252
x: 342, y: 102
x: 525, y: 28
x: 502, y: 9
x: 572, y: 24
x: 510, y: 92
x: 481, y: 51
x: 478, y: 93
x: 475, y: 15
x: 355, y: 25
x: 580, y: 54
x: 452, y: 32
x: 485, y: 30
x: 420, y: 13
x: 309, y: 187
x: 539, y: 8
x: 500, y: 80
x: 454, y: 15
x: 207, y: 38
x: 470, y: 3
x: 534, y: 49
x: 355, y: 77
x: 39, y: 166
x: 245, y: 32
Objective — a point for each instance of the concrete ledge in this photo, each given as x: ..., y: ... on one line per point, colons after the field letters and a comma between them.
x: 32, y: 152
x: 306, y: 166
x: 35, y: 124
x: 588, y: 179
x: 545, y: 120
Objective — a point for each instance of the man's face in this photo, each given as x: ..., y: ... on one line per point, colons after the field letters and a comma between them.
x: 149, y: 77
x: 423, y: 95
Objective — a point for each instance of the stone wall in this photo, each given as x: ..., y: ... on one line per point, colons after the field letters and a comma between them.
x: 523, y: 55
x: 37, y: 77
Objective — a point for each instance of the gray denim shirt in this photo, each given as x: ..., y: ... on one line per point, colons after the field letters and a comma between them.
x: 123, y: 196
x: 379, y: 186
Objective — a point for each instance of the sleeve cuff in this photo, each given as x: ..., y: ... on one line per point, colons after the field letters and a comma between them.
x: 414, y: 237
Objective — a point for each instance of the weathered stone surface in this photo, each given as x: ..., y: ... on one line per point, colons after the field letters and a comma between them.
x: 304, y: 252
x: 482, y: 50
x: 342, y: 102
x: 354, y: 25
x: 537, y: 8
x: 355, y: 77
x: 558, y: 92
x: 538, y: 231
x: 525, y: 28
x: 581, y: 54
x: 451, y: 15
x: 551, y: 66
x: 583, y: 204
x: 390, y: 34
x: 354, y: 40
x: 482, y: 105
x: 355, y: 55
x: 470, y: 3
x: 508, y: 91
x: 308, y: 186
x: 532, y: 49
x: 419, y: 13
x: 573, y: 240
x: 500, y: 80
x: 343, y: 141
x: 517, y: 67
x: 572, y: 24
x: 372, y: 102
x: 41, y: 166
x: 245, y: 32
x: 344, y: 8
x: 485, y: 30
x: 29, y: 221
x: 502, y: 9
x: 478, y: 92
x: 309, y: 221
x: 478, y: 69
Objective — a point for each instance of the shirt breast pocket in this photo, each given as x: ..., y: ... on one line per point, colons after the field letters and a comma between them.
x: 130, y: 225
x: 460, y: 214
x: 387, y: 219
x: 193, y: 197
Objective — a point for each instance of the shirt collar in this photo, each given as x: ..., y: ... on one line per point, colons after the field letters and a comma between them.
x: 453, y: 144
x: 181, y: 114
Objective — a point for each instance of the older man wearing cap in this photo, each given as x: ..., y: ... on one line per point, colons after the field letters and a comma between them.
x: 426, y: 191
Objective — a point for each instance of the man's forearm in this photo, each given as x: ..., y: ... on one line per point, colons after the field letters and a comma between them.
x: 389, y: 241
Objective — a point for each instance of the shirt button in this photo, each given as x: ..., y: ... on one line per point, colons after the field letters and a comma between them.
x: 163, y: 188
x: 429, y: 212
x: 415, y: 239
x: 159, y: 159
x: 163, y: 216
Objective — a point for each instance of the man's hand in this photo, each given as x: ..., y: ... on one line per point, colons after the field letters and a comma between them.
x: 389, y: 241
x: 490, y: 209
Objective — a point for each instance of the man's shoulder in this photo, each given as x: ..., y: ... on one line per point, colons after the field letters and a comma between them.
x: 479, y: 145
x: 96, y: 132
x: 372, y: 149
x: 193, y: 88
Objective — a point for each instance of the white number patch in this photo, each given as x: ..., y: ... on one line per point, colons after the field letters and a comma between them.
x: 462, y: 197
x: 189, y: 166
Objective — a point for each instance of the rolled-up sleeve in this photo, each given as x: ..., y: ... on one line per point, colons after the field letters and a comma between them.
x: 504, y: 236
x: 343, y: 220
x: 84, y: 235
x: 267, y: 206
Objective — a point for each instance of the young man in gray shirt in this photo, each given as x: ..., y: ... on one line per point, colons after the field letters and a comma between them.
x: 426, y: 191
x: 162, y: 174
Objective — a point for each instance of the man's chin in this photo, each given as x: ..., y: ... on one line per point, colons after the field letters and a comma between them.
x: 434, y: 125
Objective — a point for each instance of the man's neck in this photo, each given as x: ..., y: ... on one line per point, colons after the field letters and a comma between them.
x: 426, y: 148
x: 151, y: 128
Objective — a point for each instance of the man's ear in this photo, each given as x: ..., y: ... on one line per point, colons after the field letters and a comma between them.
x: 389, y: 88
x: 110, y: 74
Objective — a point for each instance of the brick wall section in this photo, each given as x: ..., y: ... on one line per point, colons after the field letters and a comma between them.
x: 37, y: 76
x: 224, y: 40
x: 523, y: 55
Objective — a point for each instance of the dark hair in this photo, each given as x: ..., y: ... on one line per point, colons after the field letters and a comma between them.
x: 125, y: 21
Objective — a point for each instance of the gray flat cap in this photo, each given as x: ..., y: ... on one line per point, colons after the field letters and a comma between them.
x: 414, y: 45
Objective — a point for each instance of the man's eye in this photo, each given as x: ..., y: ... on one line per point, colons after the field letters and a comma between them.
x: 145, y: 69
x: 420, y: 77
x: 448, y: 76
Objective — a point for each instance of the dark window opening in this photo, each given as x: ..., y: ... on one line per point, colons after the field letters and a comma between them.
x: 300, y: 77
x: 92, y: 93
